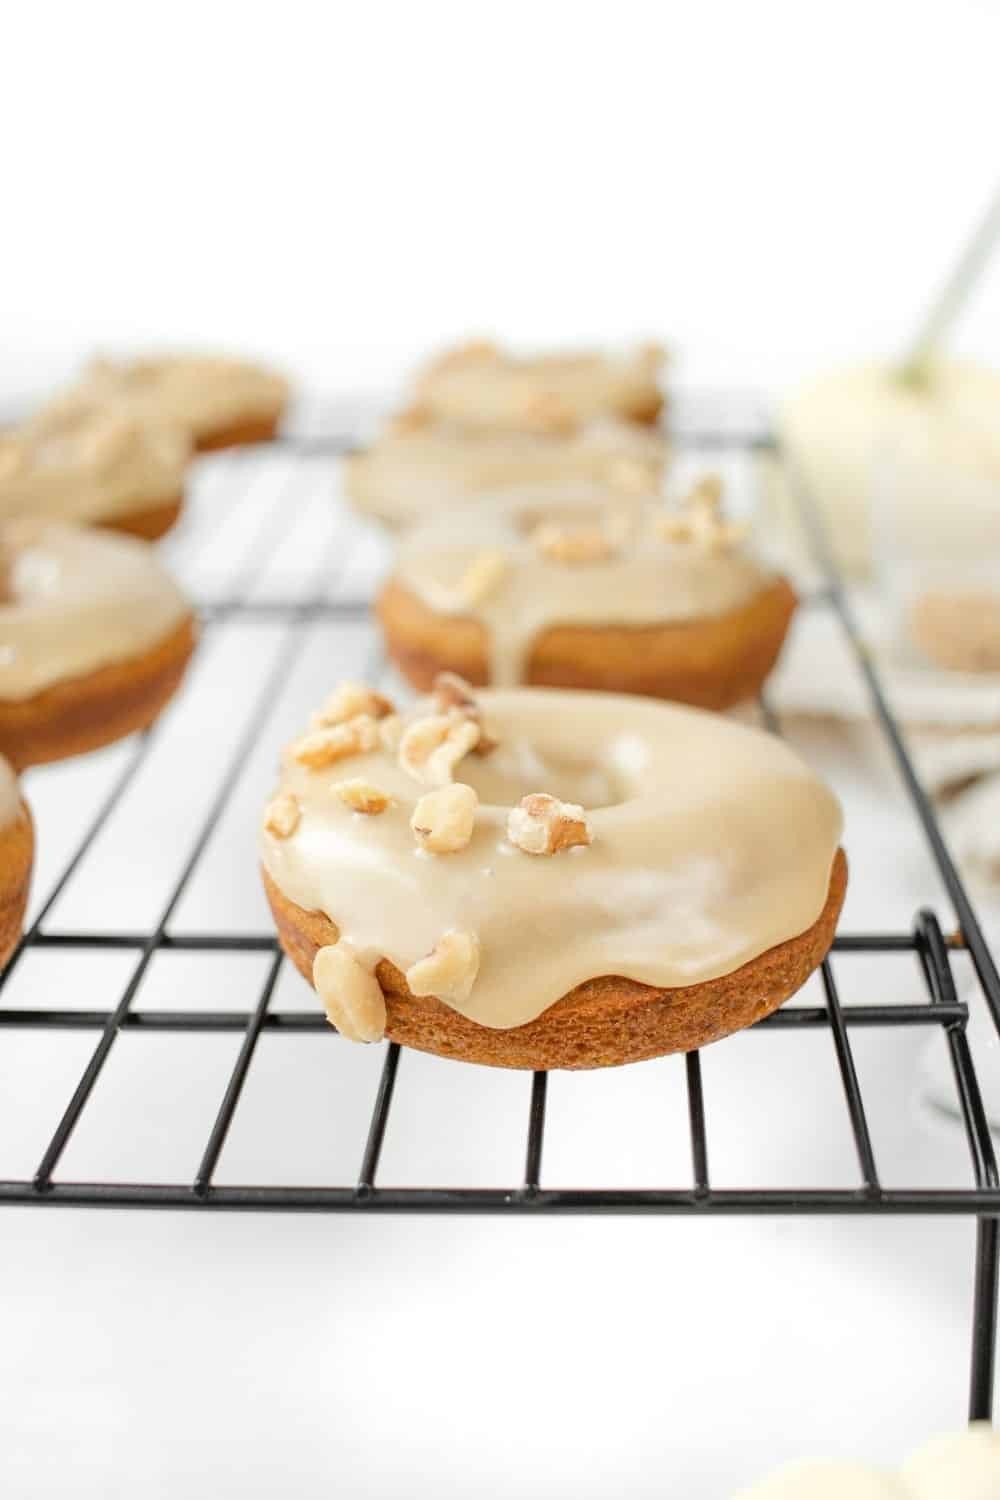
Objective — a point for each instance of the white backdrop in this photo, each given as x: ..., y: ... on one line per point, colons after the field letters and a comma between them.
x: 341, y: 186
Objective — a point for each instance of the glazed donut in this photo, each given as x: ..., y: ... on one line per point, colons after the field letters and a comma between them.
x: 416, y: 469
x: 17, y: 848
x: 579, y: 588
x: 480, y: 386
x: 93, y: 465
x: 94, y: 639
x: 220, y: 403
x: 548, y: 879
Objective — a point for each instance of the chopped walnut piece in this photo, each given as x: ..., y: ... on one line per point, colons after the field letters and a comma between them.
x: 484, y: 575
x: 390, y: 732
x: 325, y: 746
x: 432, y: 747
x: 700, y: 521
x: 351, y: 995
x: 452, y: 691
x: 362, y: 797
x: 450, y: 971
x: 443, y: 819
x: 283, y: 815
x: 541, y: 824
x: 350, y: 700
x: 549, y: 413
x: 573, y: 544
x: 454, y: 696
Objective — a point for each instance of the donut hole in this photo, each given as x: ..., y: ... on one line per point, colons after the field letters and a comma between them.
x: 514, y: 770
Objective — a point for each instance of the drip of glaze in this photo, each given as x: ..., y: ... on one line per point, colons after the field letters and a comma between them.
x: 646, y: 581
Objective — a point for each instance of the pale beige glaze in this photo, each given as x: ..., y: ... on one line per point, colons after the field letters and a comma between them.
x: 10, y: 796
x: 74, y: 600
x: 479, y: 385
x: 647, y: 580
x: 406, y: 475
x: 199, y: 393
x: 711, y: 843
x: 89, y: 464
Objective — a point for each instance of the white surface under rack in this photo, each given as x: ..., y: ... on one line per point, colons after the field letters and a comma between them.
x: 153, y: 1354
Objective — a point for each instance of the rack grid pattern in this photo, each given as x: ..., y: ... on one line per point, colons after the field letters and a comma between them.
x: 706, y: 425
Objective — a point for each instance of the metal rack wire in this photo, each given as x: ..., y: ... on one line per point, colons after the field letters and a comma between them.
x: 706, y: 425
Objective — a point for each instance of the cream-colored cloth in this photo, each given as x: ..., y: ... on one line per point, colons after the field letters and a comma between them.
x: 951, y: 719
x: 961, y: 1466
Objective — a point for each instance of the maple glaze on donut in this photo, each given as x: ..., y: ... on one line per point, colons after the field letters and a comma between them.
x: 94, y: 639
x: 546, y: 879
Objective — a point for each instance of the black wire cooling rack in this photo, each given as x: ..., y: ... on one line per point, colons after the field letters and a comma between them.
x: 705, y: 425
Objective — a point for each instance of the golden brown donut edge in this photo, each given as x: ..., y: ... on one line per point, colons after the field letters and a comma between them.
x: 603, y: 1022
x: 709, y: 663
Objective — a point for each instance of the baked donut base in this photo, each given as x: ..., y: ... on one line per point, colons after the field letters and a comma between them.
x: 17, y: 849
x: 82, y: 713
x: 602, y: 1023
x: 151, y: 523
x: 712, y: 662
x: 259, y: 429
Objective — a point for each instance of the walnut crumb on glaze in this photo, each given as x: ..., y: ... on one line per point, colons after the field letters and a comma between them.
x: 541, y: 824
x: 573, y: 544
x: 324, y: 747
x: 451, y: 694
x: 450, y: 971
x: 432, y: 746
x: 483, y: 577
x: 700, y: 521
x: 352, y: 997
x: 283, y: 815
x: 362, y: 797
x: 349, y: 701
x: 443, y: 820
x: 452, y: 691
